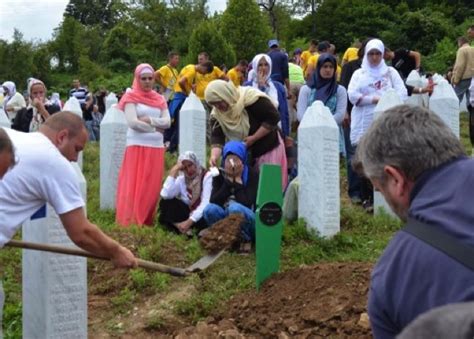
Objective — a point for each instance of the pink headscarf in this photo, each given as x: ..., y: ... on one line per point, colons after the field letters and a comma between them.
x: 139, y: 96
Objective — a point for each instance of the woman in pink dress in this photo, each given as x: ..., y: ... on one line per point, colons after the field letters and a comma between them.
x: 141, y: 174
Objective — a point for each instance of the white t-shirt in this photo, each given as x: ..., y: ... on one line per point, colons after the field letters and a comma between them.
x: 42, y: 175
x: 176, y: 188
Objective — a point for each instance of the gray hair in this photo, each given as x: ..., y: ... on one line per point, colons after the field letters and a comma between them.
x: 412, y: 139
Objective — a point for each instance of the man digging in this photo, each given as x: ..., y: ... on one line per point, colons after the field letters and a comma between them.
x: 42, y: 174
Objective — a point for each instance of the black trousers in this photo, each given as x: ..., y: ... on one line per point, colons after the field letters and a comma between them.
x: 173, y: 211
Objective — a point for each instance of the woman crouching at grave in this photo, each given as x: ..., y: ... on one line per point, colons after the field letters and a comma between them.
x: 141, y: 174
x: 234, y: 191
x: 247, y: 114
x: 366, y: 87
x: 29, y: 119
x: 184, y: 196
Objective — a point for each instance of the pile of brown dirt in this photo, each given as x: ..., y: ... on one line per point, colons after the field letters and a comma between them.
x: 328, y: 300
x: 223, y: 234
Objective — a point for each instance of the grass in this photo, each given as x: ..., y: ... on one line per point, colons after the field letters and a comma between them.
x: 362, y: 238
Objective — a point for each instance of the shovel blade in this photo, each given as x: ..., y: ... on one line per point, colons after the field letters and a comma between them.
x: 205, y: 262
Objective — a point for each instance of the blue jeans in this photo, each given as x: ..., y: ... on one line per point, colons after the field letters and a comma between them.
x: 213, y: 213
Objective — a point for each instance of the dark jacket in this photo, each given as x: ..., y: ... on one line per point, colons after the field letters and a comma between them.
x: 411, y: 277
x: 23, y: 117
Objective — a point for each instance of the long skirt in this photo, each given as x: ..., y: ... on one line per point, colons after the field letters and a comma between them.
x: 276, y: 156
x: 139, y: 185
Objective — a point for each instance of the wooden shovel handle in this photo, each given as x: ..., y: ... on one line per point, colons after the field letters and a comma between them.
x: 176, y: 271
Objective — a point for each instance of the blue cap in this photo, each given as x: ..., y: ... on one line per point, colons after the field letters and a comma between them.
x: 273, y: 42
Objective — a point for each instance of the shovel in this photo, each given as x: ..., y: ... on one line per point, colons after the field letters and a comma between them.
x: 175, y: 271
x: 198, y: 266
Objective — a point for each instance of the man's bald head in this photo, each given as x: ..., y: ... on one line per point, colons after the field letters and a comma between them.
x: 64, y: 120
x: 67, y: 132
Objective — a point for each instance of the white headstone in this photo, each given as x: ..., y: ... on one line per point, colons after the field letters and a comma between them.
x: 73, y: 105
x: 4, y: 121
x: 110, y: 100
x: 318, y: 170
x: 414, y: 80
x: 388, y: 100
x: 445, y: 103
x: 192, y: 127
x: 113, y: 130
x: 54, y: 285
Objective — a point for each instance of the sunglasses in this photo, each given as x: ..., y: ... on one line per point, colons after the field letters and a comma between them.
x: 146, y: 78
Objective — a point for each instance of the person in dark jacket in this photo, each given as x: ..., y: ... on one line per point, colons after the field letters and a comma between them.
x: 235, y: 190
x: 30, y: 118
x: 413, y: 158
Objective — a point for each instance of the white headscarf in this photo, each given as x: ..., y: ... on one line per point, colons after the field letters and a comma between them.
x: 37, y: 119
x: 381, y: 69
x: 270, y: 89
x: 10, y: 85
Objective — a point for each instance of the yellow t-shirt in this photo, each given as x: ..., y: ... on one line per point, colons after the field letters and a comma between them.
x: 202, y: 80
x: 311, y: 64
x: 338, y: 73
x: 236, y: 77
x: 350, y: 54
x: 189, y: 72
x: 168, y: 76
x: 304, y: 60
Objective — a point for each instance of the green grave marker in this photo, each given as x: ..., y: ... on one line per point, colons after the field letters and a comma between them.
x: 268, y: 222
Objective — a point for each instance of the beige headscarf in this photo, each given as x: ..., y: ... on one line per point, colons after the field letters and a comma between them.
x: 235, y: 121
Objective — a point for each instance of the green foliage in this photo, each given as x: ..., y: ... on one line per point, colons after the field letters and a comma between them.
x: 93, y: 12
x: 443, y: 56
x: 424, y: 28
x: 244, y: 27
x: 207, y: 38
x: 17, y: 58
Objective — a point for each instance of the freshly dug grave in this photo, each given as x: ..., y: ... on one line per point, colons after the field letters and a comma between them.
x: 223, y: 234
x: 325, y: 300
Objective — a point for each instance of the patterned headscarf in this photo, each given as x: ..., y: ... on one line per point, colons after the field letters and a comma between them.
x: 194, y: 183
x: 37, y: 119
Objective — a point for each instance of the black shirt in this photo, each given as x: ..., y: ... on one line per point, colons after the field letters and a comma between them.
x: 403, y: 62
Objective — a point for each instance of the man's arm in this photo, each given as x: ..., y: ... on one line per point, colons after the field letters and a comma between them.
x: 415, y: 55
x: 90, y: 238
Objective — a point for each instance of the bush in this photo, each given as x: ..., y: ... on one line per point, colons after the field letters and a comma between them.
x: 443, y: 57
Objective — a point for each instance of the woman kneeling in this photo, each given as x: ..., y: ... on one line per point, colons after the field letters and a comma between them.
x: 234, y: 192
x: 184, y: 196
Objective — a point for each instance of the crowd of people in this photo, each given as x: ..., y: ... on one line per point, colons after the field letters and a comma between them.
x: 253, y: 111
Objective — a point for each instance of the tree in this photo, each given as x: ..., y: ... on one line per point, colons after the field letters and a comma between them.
x: 18, y: 60
x: 246, y: 29
x: 207, y: 38
x: 105, y: 13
